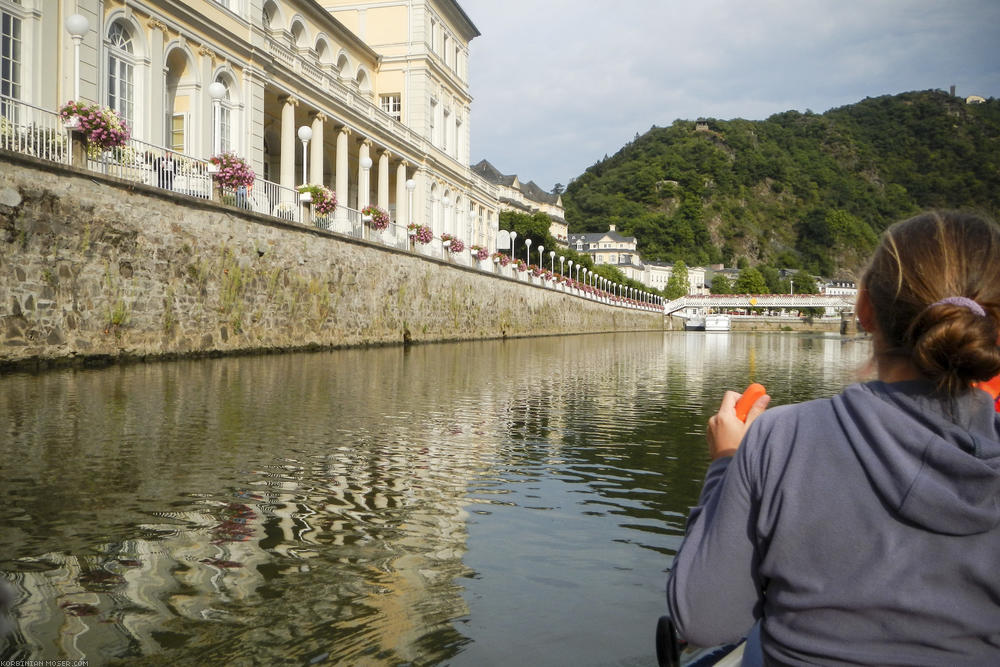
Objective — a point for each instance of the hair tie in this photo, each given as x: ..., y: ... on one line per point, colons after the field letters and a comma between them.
x: 962, y: 301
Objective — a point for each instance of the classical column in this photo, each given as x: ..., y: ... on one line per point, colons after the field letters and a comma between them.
x: 206, y: 118
x: 316, y: 159
x: 158, y: 121
x: 419, y: 212
x: 383, y: 180
x: 364, y: 185
x: 251, y: 138
x: 402, y: 213
x: 341, y: 175
x: 288, y: 142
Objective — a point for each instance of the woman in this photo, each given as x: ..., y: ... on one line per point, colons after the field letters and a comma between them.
x: 866, y: 528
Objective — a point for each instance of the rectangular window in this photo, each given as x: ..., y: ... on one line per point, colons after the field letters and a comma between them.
x: 433, y: 124
x: 225, y: 129
x: 10, y: 58
x: 120, y: 87
x: 392, y: 105
x: 444, y: 134
x: 177, y: 123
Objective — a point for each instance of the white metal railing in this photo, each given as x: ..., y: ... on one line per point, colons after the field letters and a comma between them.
x: 141, y: 162
x: 31, y: 130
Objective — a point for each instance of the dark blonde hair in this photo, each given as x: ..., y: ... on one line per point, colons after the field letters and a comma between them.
x: 921, y: 261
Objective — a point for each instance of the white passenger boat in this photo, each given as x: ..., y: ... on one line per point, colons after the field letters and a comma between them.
x: 718, y: 323
x: 694, y: 323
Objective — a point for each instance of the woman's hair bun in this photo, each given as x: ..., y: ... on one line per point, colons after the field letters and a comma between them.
x: 953, y: 345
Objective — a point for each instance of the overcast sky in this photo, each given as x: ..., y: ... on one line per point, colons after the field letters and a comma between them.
x: 557, y: 84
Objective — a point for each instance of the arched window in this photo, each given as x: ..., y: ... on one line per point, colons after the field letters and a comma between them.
x: 224, y: 118
x: 298, y: 34
x: 121, y: 71
x: 364, y: 83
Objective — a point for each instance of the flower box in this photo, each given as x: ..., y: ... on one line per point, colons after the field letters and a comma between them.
x: 375, y: 217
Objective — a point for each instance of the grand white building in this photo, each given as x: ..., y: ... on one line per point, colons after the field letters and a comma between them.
x: 382, y: 85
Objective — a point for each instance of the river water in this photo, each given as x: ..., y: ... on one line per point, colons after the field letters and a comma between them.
x: 488, y: 503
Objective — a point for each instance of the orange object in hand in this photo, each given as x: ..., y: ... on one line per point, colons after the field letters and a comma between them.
x: 749, y: 397
x: 992, y: 387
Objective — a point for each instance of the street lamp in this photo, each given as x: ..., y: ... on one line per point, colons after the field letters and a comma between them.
x: 411, y: 185
x: 77, y: 25
x: 527, y: 252
x: 552, y: 261
x: 513, y: 235
x: 791, y: 288
x: 570, y: 267
x: 217, y: 90
x: 541, y: 260
x: 305, y: 134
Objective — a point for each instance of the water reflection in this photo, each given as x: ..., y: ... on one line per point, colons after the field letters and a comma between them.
x: 474, y: 503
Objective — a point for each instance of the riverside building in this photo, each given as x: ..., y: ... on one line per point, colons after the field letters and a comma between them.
x: 381, y: 87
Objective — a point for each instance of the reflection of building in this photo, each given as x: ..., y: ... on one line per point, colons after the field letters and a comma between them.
x: 379, y: 81
x: 526, y: 198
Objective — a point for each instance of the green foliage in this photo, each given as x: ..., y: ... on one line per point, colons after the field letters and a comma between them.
x: 750, y: 282
x: 809, y: 191
x: 677, y: 284
x: 720, y: 284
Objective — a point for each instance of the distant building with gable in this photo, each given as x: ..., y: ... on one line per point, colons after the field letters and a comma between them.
x: 614, y: 248
x: 526, y: 198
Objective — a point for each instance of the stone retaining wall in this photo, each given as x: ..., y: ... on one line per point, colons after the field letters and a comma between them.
x: 93, y: 268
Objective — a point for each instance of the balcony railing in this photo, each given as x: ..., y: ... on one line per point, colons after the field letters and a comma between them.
x: 31, y: 130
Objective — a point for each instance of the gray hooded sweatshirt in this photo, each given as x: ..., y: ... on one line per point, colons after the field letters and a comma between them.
x: 859, y: 529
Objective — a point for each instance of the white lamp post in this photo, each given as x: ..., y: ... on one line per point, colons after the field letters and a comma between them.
x: 552, y: 261
x: 305, y: 134
x: 216, y: 90
x: 541, y: 259
x: 570, y: 265
x: 77, y: 25
x: 527, y: 252
x: 513, y: 235
x: 562, y: 263
x: 411, y: 185
x: 366, y: 164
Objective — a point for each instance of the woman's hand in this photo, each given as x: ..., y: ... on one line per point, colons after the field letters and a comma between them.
x: 725, y: 430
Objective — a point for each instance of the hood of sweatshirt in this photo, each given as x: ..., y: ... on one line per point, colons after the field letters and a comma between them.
x: 936, y: 463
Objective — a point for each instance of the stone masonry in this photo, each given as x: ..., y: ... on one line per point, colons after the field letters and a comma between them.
x: 97, y: 269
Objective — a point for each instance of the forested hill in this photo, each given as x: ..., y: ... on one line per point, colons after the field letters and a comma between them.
x: 808, y: 191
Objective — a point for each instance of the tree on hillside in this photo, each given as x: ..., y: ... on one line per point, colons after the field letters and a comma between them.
x: 750, y: 282
x: 558, y: 189
x: 677, y: 284
x: 720, y: 284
